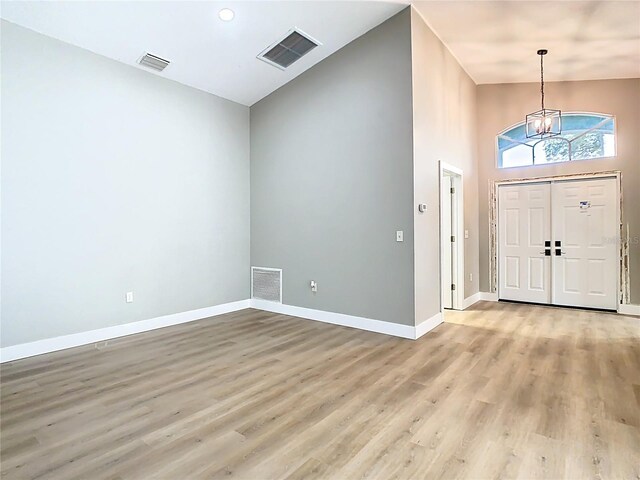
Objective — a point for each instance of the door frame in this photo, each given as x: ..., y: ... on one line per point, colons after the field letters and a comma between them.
x: 457, y: 229
x: 622, y: 274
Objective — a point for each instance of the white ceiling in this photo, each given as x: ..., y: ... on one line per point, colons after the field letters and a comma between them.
x: 205, y: 52
x: 496, y: 41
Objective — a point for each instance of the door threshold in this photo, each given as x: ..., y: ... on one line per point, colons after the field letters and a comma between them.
x: 573, y: 307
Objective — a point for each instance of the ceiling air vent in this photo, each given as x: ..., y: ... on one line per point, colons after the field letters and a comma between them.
x: 291, y: 48
x: 153, y: 62
x: 266, y: 284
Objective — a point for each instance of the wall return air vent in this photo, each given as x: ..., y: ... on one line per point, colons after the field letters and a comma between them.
x: 266, y: 284
x: 153, y: 62
x: 290, y: 49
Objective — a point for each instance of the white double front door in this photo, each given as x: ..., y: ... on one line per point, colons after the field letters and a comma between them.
x: 558, y: 243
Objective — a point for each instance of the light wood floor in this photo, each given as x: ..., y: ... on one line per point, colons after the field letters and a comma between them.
x: 499, y: 391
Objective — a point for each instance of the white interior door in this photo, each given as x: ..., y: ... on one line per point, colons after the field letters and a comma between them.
x: 585, y: 229
x: 524, y: 225
x: 446, y: 223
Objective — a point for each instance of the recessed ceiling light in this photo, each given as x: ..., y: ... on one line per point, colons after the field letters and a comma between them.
x: 226, y: 14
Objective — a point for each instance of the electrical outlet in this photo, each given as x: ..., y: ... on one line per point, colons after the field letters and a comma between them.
x: 129, y: 297
x: 314, y: 286
x: 471, y: 277
x: 466, y: 234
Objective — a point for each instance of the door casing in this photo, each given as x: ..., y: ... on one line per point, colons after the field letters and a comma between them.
x: 457, y: 229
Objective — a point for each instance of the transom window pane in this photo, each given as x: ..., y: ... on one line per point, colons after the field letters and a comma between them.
x: 584, y: 136
x: 551, y: 150
x: 517, y: 156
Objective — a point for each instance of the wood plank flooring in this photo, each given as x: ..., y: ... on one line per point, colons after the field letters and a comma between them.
x: 498, y: 391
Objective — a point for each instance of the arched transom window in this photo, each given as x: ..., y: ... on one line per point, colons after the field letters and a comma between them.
x: 584, y: 136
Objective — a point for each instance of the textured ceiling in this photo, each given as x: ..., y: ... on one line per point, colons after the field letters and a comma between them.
x: 496, y: 41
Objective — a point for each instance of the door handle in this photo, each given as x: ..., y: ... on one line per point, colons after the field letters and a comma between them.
x: 546, y: 252
x: 559, y: 252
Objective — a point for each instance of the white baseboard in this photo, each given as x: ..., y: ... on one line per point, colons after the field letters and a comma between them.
x: 488, y: 297
x: 629, y: 309
x: 428, y: 325
x: 47, y: 345
x: 39, y: 347
x: 479, y: 297
x: 475, y: 298
x: 378, y: 326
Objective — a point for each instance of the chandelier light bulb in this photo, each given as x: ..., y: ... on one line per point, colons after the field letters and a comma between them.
x: 538, y: 124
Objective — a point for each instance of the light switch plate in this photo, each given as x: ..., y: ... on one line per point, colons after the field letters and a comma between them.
x: 399, y: 236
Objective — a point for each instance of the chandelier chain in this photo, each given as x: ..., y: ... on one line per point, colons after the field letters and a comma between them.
x: 542, y: 81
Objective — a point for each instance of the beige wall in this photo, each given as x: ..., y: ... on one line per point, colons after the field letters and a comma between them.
x: 500, y: 106
x: 444, y: 113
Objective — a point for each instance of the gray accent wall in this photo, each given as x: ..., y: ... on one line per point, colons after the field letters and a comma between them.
x: 332, y: 179
x: 500, y: 106
x: 114, y: 180
x: 444, y: 116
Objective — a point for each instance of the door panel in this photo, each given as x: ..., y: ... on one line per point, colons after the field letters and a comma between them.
x: 536, y: 273
x: 524, y: 222
x: 537, y: 218
x: 512, y: 272
x: 512, y: 227
x: 585, y: 222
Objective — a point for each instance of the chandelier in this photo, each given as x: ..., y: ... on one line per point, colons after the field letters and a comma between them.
x: 545, y: 122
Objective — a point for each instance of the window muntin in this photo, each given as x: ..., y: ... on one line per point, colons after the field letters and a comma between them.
x: 584, y: 136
